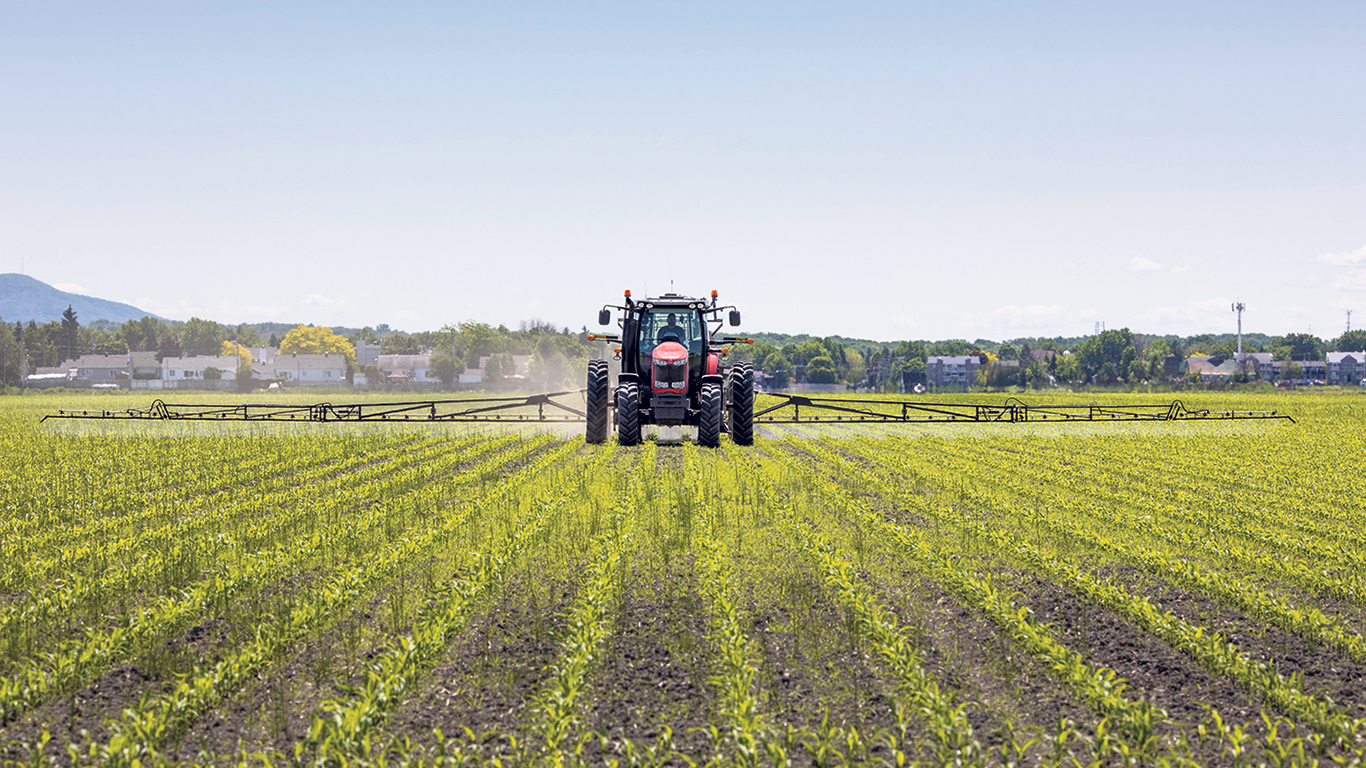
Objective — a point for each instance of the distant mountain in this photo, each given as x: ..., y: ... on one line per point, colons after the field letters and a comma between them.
x: 23, y: 298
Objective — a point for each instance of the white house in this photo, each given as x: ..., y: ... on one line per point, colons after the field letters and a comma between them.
x: 192, y: 368
x: 400, y: 368
x: 310, y: 370
x: 100, y: 368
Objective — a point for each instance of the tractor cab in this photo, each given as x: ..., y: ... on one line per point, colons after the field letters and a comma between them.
x: 672, y: 341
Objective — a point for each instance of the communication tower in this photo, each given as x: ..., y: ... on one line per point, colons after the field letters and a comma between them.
x: 1239, y: 307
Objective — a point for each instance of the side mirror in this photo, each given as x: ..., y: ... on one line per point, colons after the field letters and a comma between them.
x: 735, y: 317
x: 604, y: 316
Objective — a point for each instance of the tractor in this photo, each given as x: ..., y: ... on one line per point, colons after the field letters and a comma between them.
x: 672, y: 373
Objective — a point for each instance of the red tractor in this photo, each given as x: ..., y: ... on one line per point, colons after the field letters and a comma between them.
x: 672, y: 373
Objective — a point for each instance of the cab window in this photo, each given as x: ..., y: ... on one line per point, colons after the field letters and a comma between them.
x: 661, y: 325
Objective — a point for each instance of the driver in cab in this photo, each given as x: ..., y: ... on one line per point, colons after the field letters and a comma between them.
x: 671, y: 331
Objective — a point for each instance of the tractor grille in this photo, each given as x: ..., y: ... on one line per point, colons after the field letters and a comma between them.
x: 671, y: 375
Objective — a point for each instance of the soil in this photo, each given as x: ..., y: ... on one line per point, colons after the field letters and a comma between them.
x: 1326, y: 672
x: 1153, y: 670
x: 493, y: 673
x: 653, y: 672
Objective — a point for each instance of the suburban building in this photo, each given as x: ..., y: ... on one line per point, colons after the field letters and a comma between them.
x: 99, y: 369
x: 1345, y: 367
x: 144, y: 365
x: 367, y: 354
x: 264, y: 355
x: 192, y: 368
x: 1310, y: 370
x: 309, y: 370
x: 945, y: 371
x: 406, y: 368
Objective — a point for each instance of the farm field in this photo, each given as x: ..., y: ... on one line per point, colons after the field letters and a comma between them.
x: 1033, y: 594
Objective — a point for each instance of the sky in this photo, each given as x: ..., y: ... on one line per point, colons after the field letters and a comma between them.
x: 875, y: 170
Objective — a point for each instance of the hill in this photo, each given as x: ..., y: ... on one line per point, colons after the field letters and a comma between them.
x: 23, y: 298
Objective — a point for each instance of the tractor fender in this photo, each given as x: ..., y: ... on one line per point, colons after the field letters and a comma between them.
x: 713, y: 364
x: 625, y: 377
x: 713, y: 378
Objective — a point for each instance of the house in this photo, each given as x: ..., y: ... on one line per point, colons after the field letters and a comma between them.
x: 265, y: 355
x: 1345, y: 367
x: 1259, y: 365
x: 472, y: 376
x: 406, y: 368
x: 309, y: 370
x: 99, y: 369
x: 1042, y: 354
x: 192, y: 368
x: 946, y: 371
x: 1310, y: 370
x: 367, y: 354
x: 144, y: 365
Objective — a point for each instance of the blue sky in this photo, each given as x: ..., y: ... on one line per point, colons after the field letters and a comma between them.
x: 888, y: 171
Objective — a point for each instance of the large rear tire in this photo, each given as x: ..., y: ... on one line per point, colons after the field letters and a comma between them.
x: 742, y: 404
x: 628, y: 415
x: 597, y: 402
x: 709, y: 429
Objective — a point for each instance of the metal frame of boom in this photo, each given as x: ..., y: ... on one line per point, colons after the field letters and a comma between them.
x: 827, y: 410
x: 480, y: 409
x: 833, y: 410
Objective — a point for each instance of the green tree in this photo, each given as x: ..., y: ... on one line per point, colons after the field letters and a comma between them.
x: 70, y: 332
x: 394, y: 345
x: 1292, y: 371
x: 1297, y: 346
x: 11, y: 357
x: 446, y: 367
x: 1351, y: 341
x: 200, y: 337
x: 169, y: 346
x: 780, y: 368
x: 821, y: 370
x: 1105, y: 355
x: 212, y: 374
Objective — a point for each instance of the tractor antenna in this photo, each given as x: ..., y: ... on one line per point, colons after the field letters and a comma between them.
x: 1239, y: 307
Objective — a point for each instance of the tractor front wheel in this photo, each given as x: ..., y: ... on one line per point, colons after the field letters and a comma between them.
x: 742, y: 404
x: 628, y: 415
x: 597, y: 402
x: 709, y: 429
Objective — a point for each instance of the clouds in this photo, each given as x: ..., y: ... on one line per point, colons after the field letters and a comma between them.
x: 1346, y: 270
x: 1140, y: 264
x: 1346, y: 258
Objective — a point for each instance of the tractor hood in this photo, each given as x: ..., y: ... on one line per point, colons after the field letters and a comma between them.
x: 669, y: 367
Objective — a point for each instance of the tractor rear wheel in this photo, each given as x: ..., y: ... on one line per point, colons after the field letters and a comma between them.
x: 628, y: 415
x: 742, y: 404
x: 597, y: 402
x: 709, y: 429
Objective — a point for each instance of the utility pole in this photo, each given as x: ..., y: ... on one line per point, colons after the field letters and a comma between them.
x: 1349, y: 321
x: 1239, y: 307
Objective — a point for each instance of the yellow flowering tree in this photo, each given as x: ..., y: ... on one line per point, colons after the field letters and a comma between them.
x: 317, y: 340
x: 244, y: 356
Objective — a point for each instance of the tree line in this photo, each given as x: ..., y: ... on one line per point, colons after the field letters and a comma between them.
x: 558, y: 356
